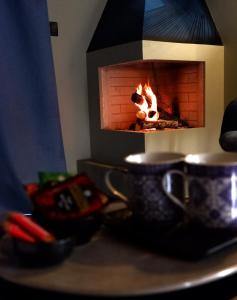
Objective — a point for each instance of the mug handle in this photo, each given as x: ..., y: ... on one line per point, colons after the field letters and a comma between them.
x: 111, y: 187
x: 171, y: 196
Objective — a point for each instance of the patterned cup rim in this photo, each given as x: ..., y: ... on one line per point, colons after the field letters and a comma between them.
x: 217, y: 159
x: 154, y: 158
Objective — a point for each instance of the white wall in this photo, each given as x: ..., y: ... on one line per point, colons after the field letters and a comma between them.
x: 224, y: 13
x: 77, y: 20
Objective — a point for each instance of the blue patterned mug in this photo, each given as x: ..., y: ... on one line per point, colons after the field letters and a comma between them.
x: 146, y: 196
x: 211, y: 184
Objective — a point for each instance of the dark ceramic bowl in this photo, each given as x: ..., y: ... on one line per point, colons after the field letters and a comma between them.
x: 82, y: 229
x: 42, y: 254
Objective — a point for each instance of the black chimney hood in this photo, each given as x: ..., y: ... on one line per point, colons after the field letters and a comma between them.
x: 178, y: 21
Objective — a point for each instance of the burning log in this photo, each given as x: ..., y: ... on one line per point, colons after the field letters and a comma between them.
x: 150, y: 116
x: 146, y: 101
x: 156, y: 125
x: 167, y: 124
x: 141, y: 115
x: 160, y: 124
x: 137, y: 99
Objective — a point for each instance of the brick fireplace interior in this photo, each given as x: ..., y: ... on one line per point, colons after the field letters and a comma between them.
x: 178, y: 86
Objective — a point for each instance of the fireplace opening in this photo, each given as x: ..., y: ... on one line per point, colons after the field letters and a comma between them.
x: 152, y: 95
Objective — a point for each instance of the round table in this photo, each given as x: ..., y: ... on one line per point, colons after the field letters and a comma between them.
x: 107, y: 266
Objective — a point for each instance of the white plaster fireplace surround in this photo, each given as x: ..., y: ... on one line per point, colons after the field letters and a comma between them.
x: 191, y: 37
x: 111, y: 146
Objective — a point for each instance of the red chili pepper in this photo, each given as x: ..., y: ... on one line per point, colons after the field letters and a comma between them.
x: 16, y: 232
x: 30, y: 227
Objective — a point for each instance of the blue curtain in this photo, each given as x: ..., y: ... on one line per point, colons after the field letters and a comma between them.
x: 30, y: 132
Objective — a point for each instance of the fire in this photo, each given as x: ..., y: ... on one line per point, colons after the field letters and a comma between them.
x: 146, y: 101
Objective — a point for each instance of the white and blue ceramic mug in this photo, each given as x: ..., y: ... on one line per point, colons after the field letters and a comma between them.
x: 211, y: 182
x: 146, y: 196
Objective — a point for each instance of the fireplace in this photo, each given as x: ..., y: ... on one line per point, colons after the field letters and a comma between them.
x: 177, y: 88
x: 181, y: 61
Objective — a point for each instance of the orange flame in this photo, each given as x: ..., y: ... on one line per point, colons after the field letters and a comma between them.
x: 148, y: 107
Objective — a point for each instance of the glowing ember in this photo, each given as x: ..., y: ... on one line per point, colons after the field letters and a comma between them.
x: 146, y: 101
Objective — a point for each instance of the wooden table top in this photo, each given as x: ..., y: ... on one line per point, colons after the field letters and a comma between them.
x: 107, y: 266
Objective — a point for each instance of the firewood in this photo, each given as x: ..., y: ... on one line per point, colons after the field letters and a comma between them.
x: 167, y: 124
x: 136, y: 98
x: 160, y: 124
x: 141, y: 115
